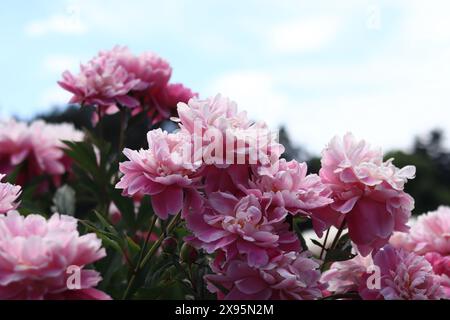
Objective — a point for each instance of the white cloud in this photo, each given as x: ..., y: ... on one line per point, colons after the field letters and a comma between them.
x: 69, y: 23
x: 254, y: 92
x: 303, y: 34
x: 387, y: 120
x: 56, y: 64
x: 54, y: 96
x: 387, y: 100
x: 426, y: 22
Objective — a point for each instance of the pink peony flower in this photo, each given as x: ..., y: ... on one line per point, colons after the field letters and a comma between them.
x: 38, y: 147
x: 14, y: 144
x: 367, y: 193
x: 165, y: 100
x: 245, y: 226
x: 441, y: 267
x: 222, y: 135
x: 232, y: 179
x: 346, y: 276
x: 152, y: 70
x: 162, y: 171
x: 117, y: 77
x: 430, y: 233
x: 104, y: 81
x: 296, y: 191
x: 38, y: 256
x: 404, y: 276
x: 430, y: 236
x: 8, y: 196
x: 47, y: 143
x: 218, y: 112
x: 291, y: 276
x: 402, y: 240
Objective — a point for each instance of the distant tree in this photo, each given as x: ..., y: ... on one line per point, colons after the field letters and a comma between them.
x: 292, y: 151
x: 431, y: 187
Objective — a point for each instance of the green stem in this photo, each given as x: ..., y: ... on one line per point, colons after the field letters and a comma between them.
x: 338, y: 235
x: 100, y: 123
x: 151, y: 253
x: 324, y: 244
x: 123, y: 128
x: 157, y: 244
x: 147, y: 239
x: 334, y: 244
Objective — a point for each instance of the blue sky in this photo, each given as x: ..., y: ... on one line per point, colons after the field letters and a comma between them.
x: 377, y: 68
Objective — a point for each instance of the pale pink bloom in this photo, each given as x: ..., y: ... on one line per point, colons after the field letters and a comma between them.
x: 402, y: 240
x: 290, y: 276
x: 160, y: 98
x: 152, y: 70
x: 37, y: 146
x: 246, y: 226
x: 346, y: 276
x: 161, y: 171
x: 14, y: 144
x: 218, y: 112
x: 8, y: 196
x: 119, y: 78
x: 367, y: 192
x: 296, y: 191
x: 431, y: 232
x: 104, y: 81
x: 47, y: 145
x: 404, y: 276
x: 37, y: 257
x: 223, y: 135
x: 441, y: 267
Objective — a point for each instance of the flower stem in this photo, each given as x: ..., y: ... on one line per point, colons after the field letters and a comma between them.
x: 157, y: 244
x: 338, y: 235
x: 123, y: 129
x: 324, y: 244
x: 141, y: 264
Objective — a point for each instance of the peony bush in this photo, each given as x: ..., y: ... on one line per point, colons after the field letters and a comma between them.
x: 206, y: 208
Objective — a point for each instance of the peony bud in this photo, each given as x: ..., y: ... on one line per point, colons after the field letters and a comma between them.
x: 188, y: 253
x: 169, y: 245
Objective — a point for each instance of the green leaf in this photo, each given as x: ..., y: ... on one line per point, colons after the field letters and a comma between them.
x: 317, y: 243
x: 106, y: 224
x: 83, y: 154
x: 297, y: 223
x: 342, y: 251
x: 125, y: 206
x: 105, y: 237
x: 145, y: 213
x: 133, y: 247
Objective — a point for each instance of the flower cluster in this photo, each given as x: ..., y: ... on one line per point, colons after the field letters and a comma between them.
x: 38, y: 147
x: 119, y: 78
x: 223, y: 178
x: 290, y: 276
x: 429, y: 236
x: 235, y: 196
x: 367, y: 192
x: 39, y: 256
x: 415, y: 265
x: 393, y: 274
